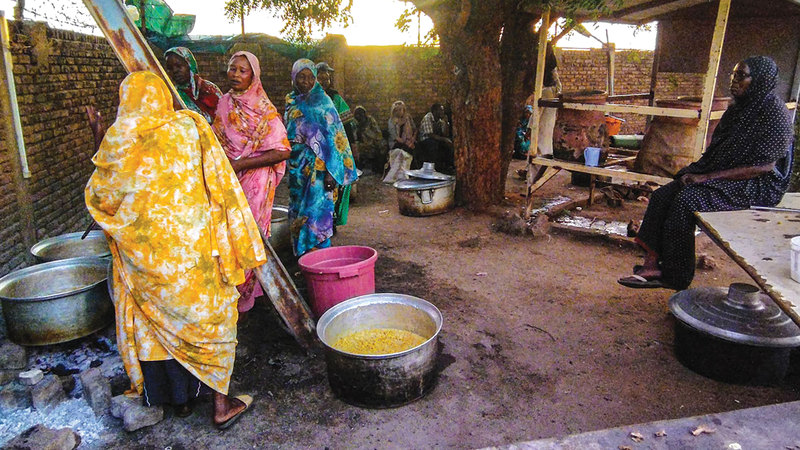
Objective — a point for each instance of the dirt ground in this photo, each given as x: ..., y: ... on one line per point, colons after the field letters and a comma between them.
x: 538, y: 341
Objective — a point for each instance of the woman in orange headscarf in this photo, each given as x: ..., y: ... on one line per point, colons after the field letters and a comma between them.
x: 181, y: 235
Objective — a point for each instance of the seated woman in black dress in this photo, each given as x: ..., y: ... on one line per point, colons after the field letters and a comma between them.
x: 747, y: 164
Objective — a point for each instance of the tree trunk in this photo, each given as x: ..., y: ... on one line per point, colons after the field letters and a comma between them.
x: 469, y: 34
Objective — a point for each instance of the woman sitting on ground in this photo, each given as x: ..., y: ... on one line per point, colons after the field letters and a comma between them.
x: 369, y: 141
x: 250, y: 130
x: 199, y: 95
x: 402, y: 139
x: 320, y: 161
x: 746, y: 164
x: 181, y: 235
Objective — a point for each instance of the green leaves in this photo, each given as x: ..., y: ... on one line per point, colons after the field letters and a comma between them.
x: 301, y: 17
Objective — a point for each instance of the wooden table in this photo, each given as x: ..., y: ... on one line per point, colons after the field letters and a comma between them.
x: 759, y: 242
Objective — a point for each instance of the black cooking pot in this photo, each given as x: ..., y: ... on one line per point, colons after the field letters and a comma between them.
x: 738, y: 335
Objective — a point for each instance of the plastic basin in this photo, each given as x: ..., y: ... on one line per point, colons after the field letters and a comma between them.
x: 336, y: 274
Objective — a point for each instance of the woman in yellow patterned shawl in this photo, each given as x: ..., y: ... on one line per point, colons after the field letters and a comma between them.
x: 181, y: 235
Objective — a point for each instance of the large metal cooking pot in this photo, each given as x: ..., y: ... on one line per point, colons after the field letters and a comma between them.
x: 419, y: 197
x: 56, y: 301
x: 381, y: 381
x: 738, y: 335
x: 280, y: 238
x: 71, y: 245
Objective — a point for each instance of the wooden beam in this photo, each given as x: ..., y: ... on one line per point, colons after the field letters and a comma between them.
x: 533, y: 123
x: 632, y: 109
x: 608, y: 172
x: 795, y: 91
x: 624, y: 97
x: 648, y: 10
x: 710, y: 81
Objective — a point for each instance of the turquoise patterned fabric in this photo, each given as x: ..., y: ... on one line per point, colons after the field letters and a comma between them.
x: 319, y: 144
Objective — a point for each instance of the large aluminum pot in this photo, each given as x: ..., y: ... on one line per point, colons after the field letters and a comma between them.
x: 418, y: 197
x: 381, y: 381
x: 280, y: 238
x: 56, y: 301
x: 71, y: 245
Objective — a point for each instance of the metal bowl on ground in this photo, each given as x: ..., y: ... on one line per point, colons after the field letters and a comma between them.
x: 736, y: 335
x: 57, y: 301
x: 381, y: 381
x: 71, y: 245
x: 280, y: 238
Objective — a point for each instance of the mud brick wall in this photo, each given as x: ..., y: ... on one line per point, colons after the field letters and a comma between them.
x: 373, y: 77
x: 56, y: 73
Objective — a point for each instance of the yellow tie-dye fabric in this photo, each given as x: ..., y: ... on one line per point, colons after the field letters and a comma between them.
x: 181, y: 234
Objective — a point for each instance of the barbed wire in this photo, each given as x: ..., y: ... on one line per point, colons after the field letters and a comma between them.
x: 73, y: 17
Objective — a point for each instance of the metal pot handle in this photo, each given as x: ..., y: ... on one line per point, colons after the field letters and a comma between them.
x: 426, y: 199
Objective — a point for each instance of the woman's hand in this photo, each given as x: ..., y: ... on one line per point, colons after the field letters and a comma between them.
x: 329, y: 182
x: 97, y: 125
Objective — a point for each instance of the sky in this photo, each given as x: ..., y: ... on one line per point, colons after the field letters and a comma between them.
x: 373, y: 23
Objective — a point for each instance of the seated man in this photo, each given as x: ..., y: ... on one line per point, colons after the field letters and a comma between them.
x: 434, y: 145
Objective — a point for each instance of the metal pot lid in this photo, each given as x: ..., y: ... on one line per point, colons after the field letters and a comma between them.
x: 428, y: 172
x: 741, y: 314
x: 415, y: 184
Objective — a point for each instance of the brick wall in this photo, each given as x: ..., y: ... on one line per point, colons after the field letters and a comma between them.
x: 373, y: 77
x: 56, y: 73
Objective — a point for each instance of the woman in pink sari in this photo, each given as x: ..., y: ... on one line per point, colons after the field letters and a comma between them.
x: 250, y: 130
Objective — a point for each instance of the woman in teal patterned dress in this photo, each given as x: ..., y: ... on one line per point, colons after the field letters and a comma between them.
x: 320, y: 161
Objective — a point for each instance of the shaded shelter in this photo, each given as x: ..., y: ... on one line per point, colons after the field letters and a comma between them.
x: 694, y: 36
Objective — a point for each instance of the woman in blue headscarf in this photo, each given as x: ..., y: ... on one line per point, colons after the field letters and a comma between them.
x: 747, y: 164
x: 320, y: 159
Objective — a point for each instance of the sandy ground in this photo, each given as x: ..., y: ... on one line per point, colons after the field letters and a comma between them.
x: 538, y: 341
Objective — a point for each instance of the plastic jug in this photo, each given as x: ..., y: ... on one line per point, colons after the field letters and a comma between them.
x: 591, y: 156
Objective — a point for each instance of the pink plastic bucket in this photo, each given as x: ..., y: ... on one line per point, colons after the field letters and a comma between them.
x: 336, y: 274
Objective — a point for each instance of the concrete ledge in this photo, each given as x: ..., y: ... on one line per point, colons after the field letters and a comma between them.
x: 773, y: 427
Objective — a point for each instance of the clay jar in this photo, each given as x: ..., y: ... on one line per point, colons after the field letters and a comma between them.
x: 668, y: 144
x: 575, y: 130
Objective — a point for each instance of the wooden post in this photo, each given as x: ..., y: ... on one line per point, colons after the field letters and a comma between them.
x: 710, y: 80
x: 534, y: 120
x: 610, y: 56
x: 143, y: 16
x: 12, y: 133
x: 795, y: 91
x: 654, y: 73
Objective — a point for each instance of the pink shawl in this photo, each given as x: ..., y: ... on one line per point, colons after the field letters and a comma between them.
x: 248, y: 125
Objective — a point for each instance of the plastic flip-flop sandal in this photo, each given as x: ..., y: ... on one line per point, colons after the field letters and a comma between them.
x: 247, y: 400
x: 640, y: 282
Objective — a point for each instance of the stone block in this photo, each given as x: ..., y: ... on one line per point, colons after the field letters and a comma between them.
x: 8, y: 375
x: 122, y: 402
x: 47, y: 393
x: 12, y: 356
x: 15, y: 396
x: 138, y: 416
x: 96, y: 390
x: 31, y: 377
x: 41, y: 437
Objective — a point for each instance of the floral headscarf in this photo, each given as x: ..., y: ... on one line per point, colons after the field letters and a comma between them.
x: 312, y: 119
